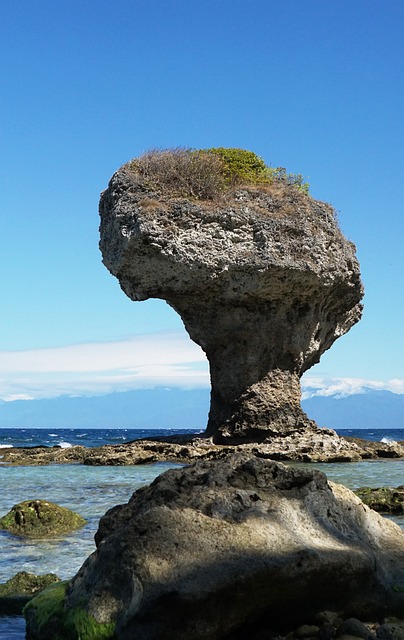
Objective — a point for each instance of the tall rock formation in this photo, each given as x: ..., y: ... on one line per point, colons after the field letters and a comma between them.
x: 262, y: 278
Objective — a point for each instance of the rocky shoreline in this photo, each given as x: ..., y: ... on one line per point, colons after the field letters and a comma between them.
x: 315, y: 445
x: 312, y: 444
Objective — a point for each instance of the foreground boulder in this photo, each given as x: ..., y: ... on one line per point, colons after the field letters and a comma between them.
x: 20, y: 589
x: 40, y: 519
x: 262, y: 278
x: 217, y: 546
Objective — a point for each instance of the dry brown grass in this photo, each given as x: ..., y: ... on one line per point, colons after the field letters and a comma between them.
x: 181, y: 172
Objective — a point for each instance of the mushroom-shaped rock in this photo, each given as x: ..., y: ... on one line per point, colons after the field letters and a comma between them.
x: 262, y: 278
x: 40, y: 519
x: 211, y: 547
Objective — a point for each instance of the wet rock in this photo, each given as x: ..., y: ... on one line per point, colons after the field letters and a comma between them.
x: 18, y: 590
x: 310, y: 445
x: 390, y: 631
x: 214, y: 547
x: 354, y: 627
x: 40, y: 519
x: 307, y: 631
x: 383, y: 499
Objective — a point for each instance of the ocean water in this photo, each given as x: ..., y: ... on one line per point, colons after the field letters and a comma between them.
x: 92, y: 490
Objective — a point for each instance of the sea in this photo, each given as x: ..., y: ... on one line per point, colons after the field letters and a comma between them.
x: 91, y: 491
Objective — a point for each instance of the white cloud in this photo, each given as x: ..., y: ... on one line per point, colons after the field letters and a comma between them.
x: 142, y: 361
x: 313, y: 385
x: 97, y: 368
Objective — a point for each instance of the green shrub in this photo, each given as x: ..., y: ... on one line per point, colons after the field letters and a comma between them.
x: 296, y: 179
x: 204, y: 174
x: 241, y: 166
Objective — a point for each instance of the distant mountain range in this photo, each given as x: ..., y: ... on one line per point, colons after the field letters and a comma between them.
x: 187, y: 409
x: 368, y: 410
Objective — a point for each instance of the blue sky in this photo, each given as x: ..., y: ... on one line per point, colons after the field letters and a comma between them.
x: 315, y: 86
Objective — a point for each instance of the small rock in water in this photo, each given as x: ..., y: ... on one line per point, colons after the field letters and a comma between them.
x: 40, y: 519
x: 19, y: 589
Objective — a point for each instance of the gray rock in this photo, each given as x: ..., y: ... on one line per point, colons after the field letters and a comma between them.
x: 264, y: 281
x: 391, y: 631
x: 307, y: 631
x: 354, y: 627
x: 207, y: 548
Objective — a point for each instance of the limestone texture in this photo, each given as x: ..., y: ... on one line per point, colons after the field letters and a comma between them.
x: 263, y: 280
x: 309, y: 445
x: 40, y: 519
x: 216, y: 547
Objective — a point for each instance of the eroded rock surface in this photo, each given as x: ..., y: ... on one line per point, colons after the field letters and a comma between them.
x: 311, y: 444
x: 263, y: 280
x: 217, y: 546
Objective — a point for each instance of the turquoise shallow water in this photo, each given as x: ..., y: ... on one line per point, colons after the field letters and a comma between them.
x: 91, y: 491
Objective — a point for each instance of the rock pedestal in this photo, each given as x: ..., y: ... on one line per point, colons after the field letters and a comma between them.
x: 264, y: 282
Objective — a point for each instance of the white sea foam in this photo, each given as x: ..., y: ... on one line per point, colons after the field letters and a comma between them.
x: 6, y: 446
x: 387, y: 440
x: 64, y: 445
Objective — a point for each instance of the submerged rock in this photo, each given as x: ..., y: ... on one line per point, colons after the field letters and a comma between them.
x: 383, y: 499
x: 20, y: 589
x: 40, y: 519
x: 263, y: 280
x: 218, y: 546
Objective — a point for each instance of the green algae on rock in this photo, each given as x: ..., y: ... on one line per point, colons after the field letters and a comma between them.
x: 383, y: 499
x: 40, y: 519
x: 19, y: 589
x: 47, y: 618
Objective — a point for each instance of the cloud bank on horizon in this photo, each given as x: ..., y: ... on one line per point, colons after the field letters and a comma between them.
x: 164, y: 359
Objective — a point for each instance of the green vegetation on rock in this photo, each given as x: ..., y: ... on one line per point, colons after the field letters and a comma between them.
x: 47, y: 619
x: 205, y: 174
x: 26, y: 583
x: 40, y: 519
x: 241, y: 166
x: 19, y: 589
x: 383, y: 499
